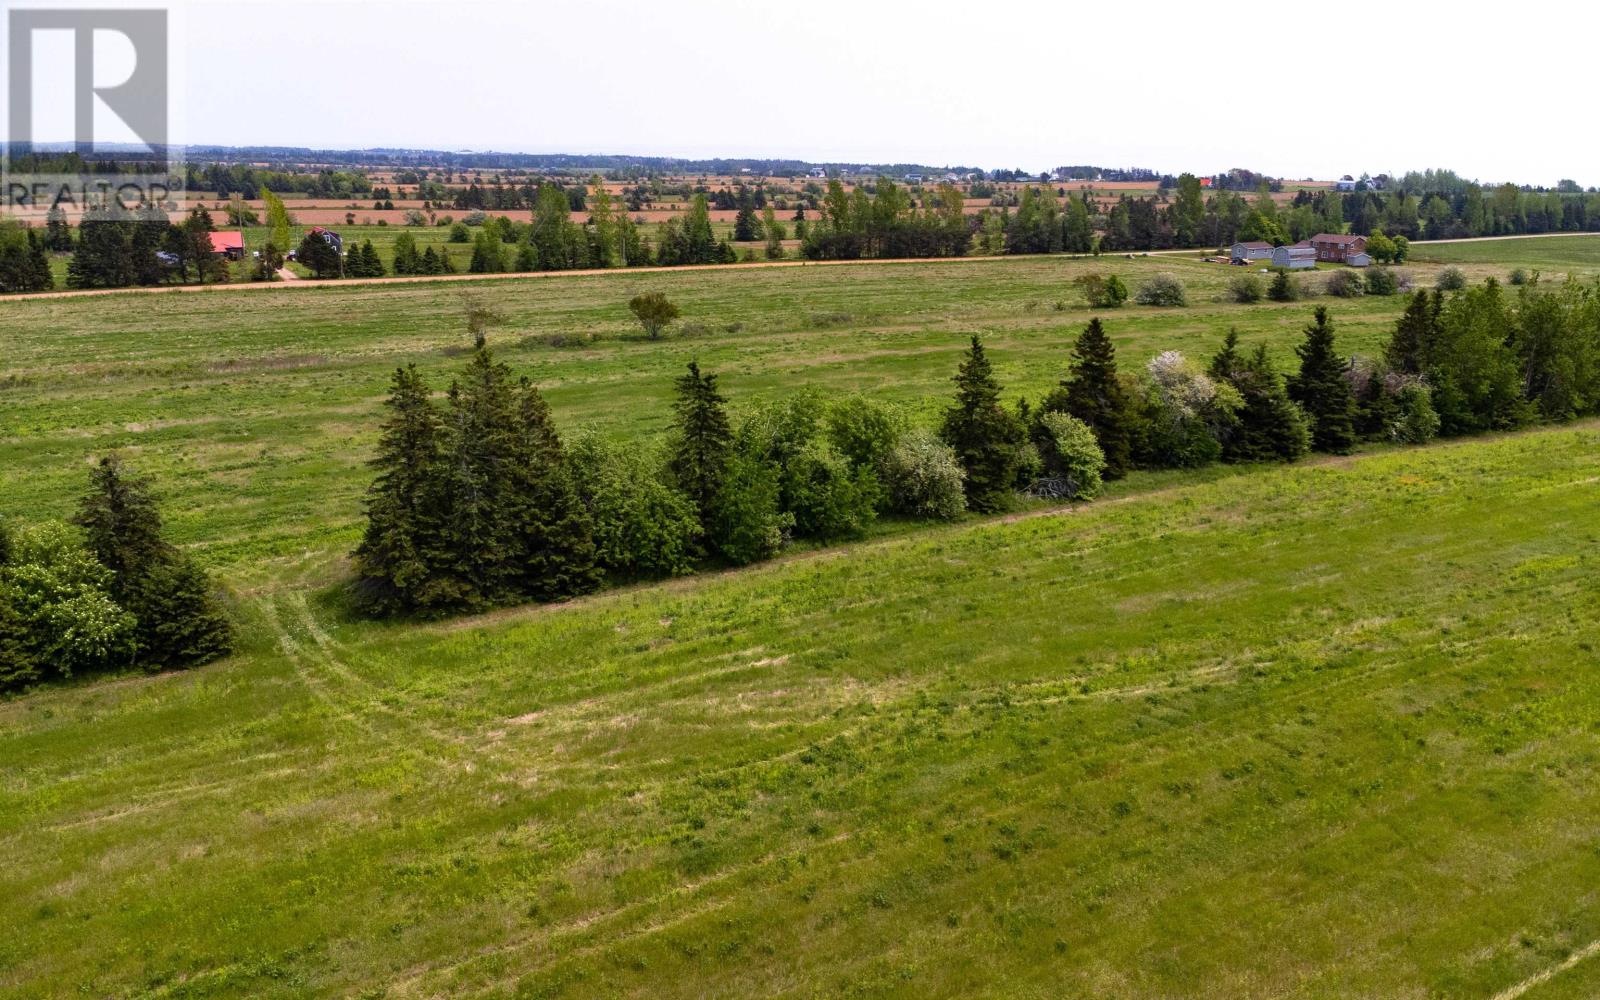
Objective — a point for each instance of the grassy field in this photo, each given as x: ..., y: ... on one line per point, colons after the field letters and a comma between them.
x: 1553, y: 255
x: 1318, y: 731
x: 1323, y: 731
x: 256, y: 411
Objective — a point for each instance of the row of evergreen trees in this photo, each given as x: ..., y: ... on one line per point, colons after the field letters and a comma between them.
x: 109, y: 592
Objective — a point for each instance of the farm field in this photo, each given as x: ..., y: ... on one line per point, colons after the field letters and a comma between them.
x: 1315, y: 731
x: 1553, y: 255
x: 256, y: 411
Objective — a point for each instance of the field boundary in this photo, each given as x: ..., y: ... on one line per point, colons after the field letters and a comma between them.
x: 1583, y: 954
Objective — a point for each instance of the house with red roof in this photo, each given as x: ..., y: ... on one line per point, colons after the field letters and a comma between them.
x: 228, y: 244
x: 1337, y: 248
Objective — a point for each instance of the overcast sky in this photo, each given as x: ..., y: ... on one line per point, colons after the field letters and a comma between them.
x: 1498, y: 92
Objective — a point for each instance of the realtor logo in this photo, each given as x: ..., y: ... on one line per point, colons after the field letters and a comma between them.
x: 113, y: 105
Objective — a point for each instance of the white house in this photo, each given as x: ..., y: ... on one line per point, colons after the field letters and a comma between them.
x: 1358, y: 259
x: 1295, y: 258
x: 1254, y: 250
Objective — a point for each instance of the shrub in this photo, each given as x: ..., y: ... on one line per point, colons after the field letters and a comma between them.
x: 1187, y: 413
x: 1162, y: 290
x: 654, y: 311
x: 1071, y: 454
x: 1519, y: 277
x: 59, y: 597
x: 923, y: 478
x: 475, y: 218
x: 1102, y: 291
x: 1284, y: 288
x: 1346, y: 284
x: 1246, y: 288
x: 746, y: 522
x: 643, y: 527
x: 827, y: 498
x: 863, y: 430
x: 1381, y: 281
x: 459, y: 233
x: 1416, y: 421
x: 1451, y: 279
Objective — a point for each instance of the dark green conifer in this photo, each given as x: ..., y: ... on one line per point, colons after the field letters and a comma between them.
x: 986, y: 437
x: 179, y: 620
x: 1410, y: 350
x: 554, y: 532
x: 395, y: 560
x: 1322, y: 388
x: 1095, y: 395
x: 704, y: 440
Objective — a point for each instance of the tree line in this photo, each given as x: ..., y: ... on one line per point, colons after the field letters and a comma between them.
x: 106, y: 591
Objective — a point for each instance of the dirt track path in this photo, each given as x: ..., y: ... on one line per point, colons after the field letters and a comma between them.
x: 290, y: 278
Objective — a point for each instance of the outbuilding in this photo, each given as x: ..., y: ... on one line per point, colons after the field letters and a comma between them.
x: 228, y: 244
x: 1359, y: 259
x: 1299, y: 257
x: 1254, y: 250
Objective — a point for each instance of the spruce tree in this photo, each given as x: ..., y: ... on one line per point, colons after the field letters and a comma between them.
x: 395, y: 560
x: 1410, y: 350
x: 986, y: 437
x: 553, y: 530
x: 179, y: 621
x: 704, y: 440
x: 1270, y: 426
x: 1322, y: 389
x: 1094, y: 394
x: 474, y: 548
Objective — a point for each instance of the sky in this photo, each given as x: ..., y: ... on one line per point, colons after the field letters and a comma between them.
x: 1308, y: 90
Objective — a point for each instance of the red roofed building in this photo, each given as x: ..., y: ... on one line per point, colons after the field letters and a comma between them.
x: 1333, y: 248
x: 229, y: 245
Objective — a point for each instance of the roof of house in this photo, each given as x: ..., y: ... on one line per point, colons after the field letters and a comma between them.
x: 1342, y: 238
x: 225, y: 241
x: 1300, y: 251
x: 1256, y: 245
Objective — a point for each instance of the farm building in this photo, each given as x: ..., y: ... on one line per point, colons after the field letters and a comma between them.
x: 228, y: 244
x: 1255, y: 250
x: 1358, y: 259
x: 1299, y: 257
x: 1333, y: 248
x: 1345, y: 183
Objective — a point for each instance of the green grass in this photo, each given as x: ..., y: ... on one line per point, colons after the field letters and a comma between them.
x: 1553, y: 255
x: 1319, y: 731
x: 256, y: 411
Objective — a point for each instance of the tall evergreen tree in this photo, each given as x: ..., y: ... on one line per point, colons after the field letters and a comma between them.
x: 1322, y: 389
x: 395, y: 561
x: 179, y: 621
x: 1410, y: 350
x: 554, y: 532
x: 704, y: 440
x: 475, y: 546
x: 1095, y: 395
x: 986, y: 437
x: 1270, y: 426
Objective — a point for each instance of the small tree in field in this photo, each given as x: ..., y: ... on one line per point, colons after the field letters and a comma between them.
x: 654, y: 311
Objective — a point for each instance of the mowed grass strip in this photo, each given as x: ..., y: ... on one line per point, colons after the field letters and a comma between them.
x: 1315, y: 731
x: 256, y: 412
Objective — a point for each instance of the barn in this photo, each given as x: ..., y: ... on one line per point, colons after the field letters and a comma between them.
x: 1255, y: 250
x: 1299, y: 257
x: 228, y: 244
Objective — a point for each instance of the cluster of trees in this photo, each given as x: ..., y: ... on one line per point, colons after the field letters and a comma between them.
x: 408, y: 261
x: 887, y: 223
x: 106, y: 592
x: 229, y: 178
x: 478, y: 501
x: 116, y: 249
x: 24, y: 260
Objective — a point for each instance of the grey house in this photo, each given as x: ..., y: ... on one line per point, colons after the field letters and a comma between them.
x: 1256, y: 250
x: 1295, y: 258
